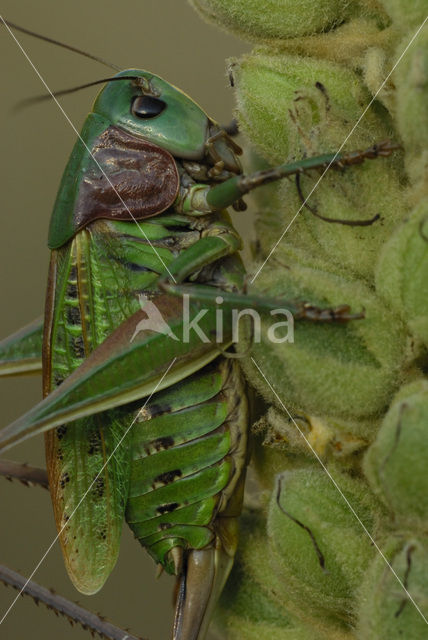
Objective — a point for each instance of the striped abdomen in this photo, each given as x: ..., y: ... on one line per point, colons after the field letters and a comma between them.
x: 188, y: 460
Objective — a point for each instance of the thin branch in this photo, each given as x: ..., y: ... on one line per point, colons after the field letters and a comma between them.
x: 29, y: 476
x: 73, y: 612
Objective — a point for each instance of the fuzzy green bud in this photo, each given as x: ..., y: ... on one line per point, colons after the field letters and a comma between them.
x: 347, y: 371
x: 328, y: 437
x: 404, y: 13
x: 289, y: 106
x: 402, y: 272
x: 320, y: 546
x: 396, y: 463
x: 411, y: 80
x: 386, y: 610
x: 272, y: 452
x: 255, y: 20
x: 241, y: 619
x: 256, y: 603
x: 348, y: 200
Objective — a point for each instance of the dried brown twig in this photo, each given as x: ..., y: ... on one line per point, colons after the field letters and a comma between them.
x: 29, y: 476
x: 72, y: 611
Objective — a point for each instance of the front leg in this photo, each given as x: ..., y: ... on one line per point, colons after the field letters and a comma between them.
x: 203, y: 198
x: 218, y: 240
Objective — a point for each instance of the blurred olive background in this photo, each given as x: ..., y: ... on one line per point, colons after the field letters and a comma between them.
x: 168, y: 38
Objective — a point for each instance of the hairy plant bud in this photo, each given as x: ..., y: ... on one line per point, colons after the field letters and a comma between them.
x: 291, y: 107
x: 407, y: 14
x: 302, y: 435
x: 402, y: 272
x: 411, y: 80
x: 396, y: 463
x: 386, y: 610
x: 255, y: 20
x: 321, y: 549
x: 256, y: 603
x: 347, y: 371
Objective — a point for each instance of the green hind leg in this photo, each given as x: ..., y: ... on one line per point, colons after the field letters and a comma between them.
x: 237, y: 300
x: 222, y: 242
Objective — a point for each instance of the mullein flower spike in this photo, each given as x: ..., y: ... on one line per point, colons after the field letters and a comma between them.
x: 325, y: 75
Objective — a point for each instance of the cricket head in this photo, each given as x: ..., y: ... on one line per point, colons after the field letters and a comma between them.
x: 145, y: 105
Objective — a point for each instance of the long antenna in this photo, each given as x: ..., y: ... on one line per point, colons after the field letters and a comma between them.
x: 63, y: 92
x: 12, y: 25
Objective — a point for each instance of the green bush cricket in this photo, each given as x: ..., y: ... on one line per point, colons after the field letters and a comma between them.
x: 140, y: 212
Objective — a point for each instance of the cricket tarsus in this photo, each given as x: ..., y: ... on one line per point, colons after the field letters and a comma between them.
x: 29, y: 476
x: 342, y: 313
x: 382, y: 149
x: 339, y: 161
x: 75, y: 614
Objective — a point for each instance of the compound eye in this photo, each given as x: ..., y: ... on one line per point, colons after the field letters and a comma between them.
x: 147, y: 106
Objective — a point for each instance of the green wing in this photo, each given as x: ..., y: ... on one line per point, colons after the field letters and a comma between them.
x: 21, y: 353
x: 120, y: 371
